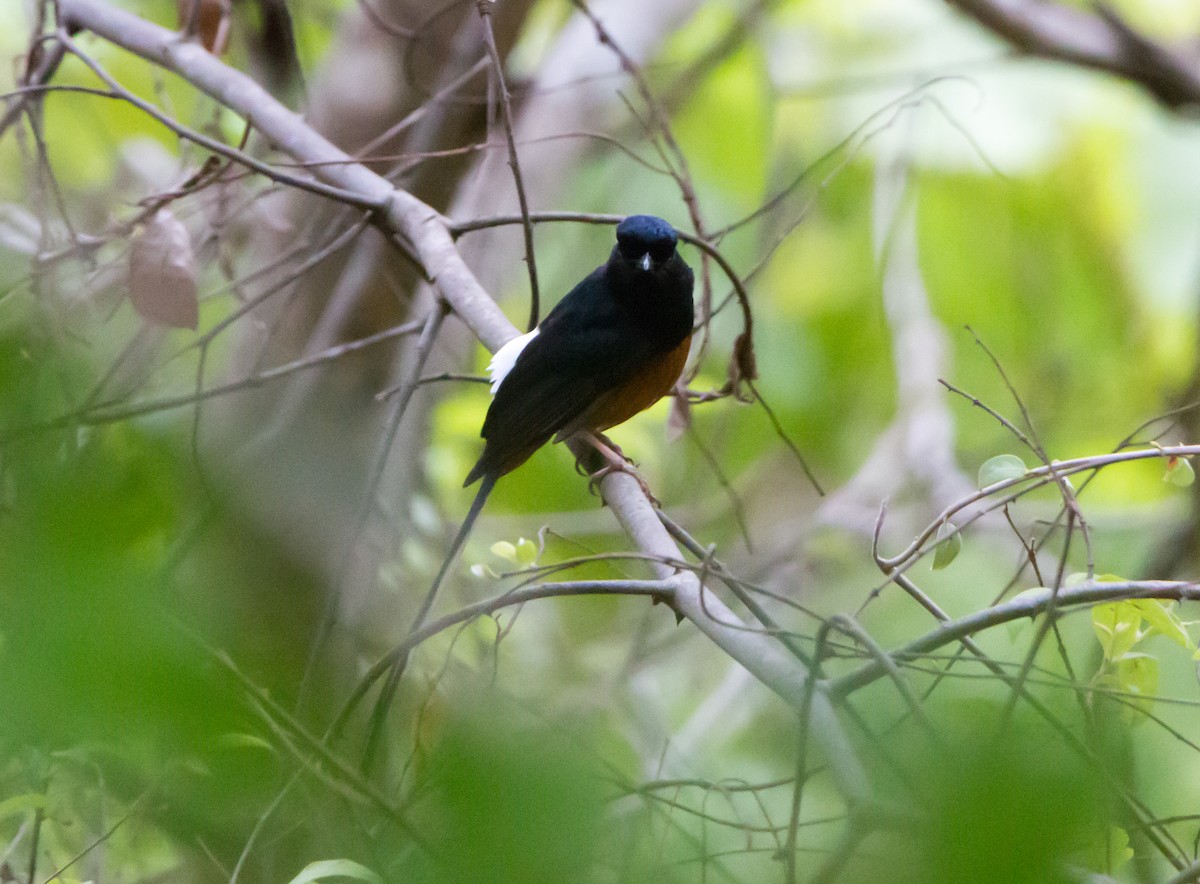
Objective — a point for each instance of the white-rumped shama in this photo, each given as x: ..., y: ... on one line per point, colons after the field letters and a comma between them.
x: 612, y: 347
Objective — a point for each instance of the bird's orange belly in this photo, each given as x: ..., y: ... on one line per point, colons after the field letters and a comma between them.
x: 650, y: 385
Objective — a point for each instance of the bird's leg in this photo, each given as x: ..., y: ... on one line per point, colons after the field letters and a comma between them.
x: 617, y: 462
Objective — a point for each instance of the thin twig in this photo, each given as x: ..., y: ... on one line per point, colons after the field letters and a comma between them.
x: 240, y: 157
x: 654, y: 588
x: 39, y: 816
x: 1037, y: 477
x: 802, y: 732
x: 424, y: 348
x: 1035, y: 445
x: 514, y: 163
x: 1029, y: 605
x: 783, y: 436
x: 106, y: 415
x: 36, y: 75
x: 676, y: 161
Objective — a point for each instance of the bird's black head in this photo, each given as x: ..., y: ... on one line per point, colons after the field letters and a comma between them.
x: 646, y: 241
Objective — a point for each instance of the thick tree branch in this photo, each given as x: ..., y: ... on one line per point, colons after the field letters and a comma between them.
x: 404, y: 214
x: 1100, y: 40
x: 430, y: 236
x: 1026, y: 605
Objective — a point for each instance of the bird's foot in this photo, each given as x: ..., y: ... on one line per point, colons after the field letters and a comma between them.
x: 625, y: 467
x: 606, y: 448
x: 617, y: 463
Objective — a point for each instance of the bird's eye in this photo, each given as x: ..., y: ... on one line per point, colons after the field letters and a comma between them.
x: 628, y: 248
x: 661, y: 251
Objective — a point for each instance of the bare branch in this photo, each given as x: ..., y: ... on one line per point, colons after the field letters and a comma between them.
x: 485, y: 15
x: 400, y: 212
x: 1101, y: 41
x: 1028, y: 605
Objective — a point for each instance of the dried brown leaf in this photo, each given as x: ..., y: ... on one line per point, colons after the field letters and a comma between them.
x: 211, y: 22
x: 162, y: 273
x: 680, y: 418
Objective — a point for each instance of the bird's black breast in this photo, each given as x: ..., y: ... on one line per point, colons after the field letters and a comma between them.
x: 606, y: 329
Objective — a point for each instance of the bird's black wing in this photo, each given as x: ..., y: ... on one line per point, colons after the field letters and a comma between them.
x: 585, y: 347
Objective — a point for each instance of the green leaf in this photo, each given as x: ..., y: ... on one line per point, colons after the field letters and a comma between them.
x: 1001, y: 468
x: 505, y: 550
x: 20, y: 804
x: 1163, y: 620
x: 1179, y: 472
x: 1138, y: 674
x: 949, y: 543
x: 1119, y: 851
x: 527, y: 552
x: 335, y: 868
x: 1111, y: 853
x: 1116, y: 625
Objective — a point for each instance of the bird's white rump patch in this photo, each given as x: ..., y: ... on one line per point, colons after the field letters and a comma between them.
x: 506, y: 357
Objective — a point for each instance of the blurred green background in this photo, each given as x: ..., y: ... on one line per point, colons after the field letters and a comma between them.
x: 190, y: 588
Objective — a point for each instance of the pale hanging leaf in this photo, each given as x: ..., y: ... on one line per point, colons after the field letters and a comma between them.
x: 162, y: 273
x: 1108, y: 854
x: 1116, y: 625
x: 483, y: 572
x: 335, y: 868
x: 1119, y: 851
x: 505, y: 550
x: 1163, y: 619
x: 949, y: 543
x: 1179, y: 472
x: 212, y: 19
x: 1001, y: 468
x: 680, y: 417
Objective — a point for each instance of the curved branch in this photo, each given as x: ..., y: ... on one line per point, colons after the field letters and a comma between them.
x: 659, y: 590
x: 1029, y: 604
x: 1102, y: 41
x: 401, y: 212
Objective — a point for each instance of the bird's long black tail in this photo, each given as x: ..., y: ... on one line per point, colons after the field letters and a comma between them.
x: 481, y: 496
x: 384, y: 701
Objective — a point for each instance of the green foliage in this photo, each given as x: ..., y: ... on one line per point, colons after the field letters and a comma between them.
x: 1012, y: 256
x: 511, y: 805
x: 949, y: 545
x: 1122, y: 626
x: 1000, y: 468
x: 731, y: 117
x: 1009, y: 810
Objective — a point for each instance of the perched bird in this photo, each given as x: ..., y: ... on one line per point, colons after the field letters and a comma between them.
x: 611, y: 348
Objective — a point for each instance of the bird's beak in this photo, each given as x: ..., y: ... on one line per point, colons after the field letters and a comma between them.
x: 644, y: 261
